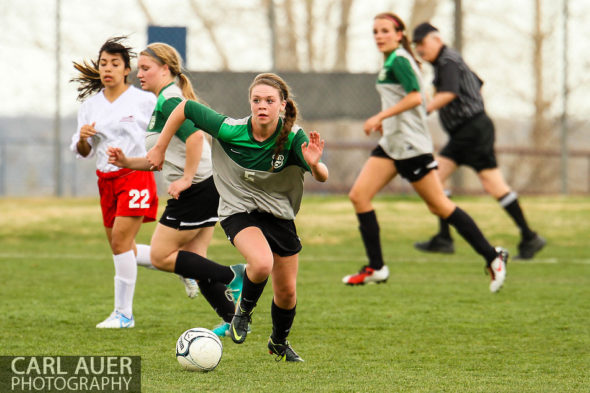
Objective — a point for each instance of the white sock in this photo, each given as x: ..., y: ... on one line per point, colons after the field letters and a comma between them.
x: 125, y: 277
x: 143, y: 256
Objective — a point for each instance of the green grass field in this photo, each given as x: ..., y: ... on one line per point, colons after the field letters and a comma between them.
x: 433, y: 327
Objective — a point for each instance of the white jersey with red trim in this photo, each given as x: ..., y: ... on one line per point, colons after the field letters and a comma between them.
x: 121, y: 123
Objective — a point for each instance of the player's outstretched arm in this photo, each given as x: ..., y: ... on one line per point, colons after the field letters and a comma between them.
x: 194, y: 149
x: 156, y: 154
x: 312, y: 152
x: 118, y: 158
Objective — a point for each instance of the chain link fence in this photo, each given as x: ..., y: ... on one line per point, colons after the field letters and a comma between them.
x: 333, y: 103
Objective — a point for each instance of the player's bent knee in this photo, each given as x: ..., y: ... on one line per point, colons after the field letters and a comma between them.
x: 258, y: 272
x: 119, y: 247
x: 121, y: 242
x: 285, y: 296
x: 358, y: 199
x: 162, y: 262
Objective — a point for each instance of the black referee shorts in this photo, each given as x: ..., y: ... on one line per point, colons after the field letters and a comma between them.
x: 472, y: 144
x: 280, y: 234
x: 196, y: 207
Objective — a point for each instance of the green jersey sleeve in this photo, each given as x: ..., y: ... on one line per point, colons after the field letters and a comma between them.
x: 204, y: 117
x: 187, y: 128
x: 403, y: 71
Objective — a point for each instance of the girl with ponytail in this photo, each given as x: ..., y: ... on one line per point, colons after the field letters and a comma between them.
x: 405, y: 148
x: 187, y: 224
x: 258, y: 166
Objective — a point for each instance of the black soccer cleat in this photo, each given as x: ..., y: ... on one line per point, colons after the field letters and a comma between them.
x: 528, y: 248
x: 240, y: 325
x: 283, y: 352
x: 436, y: 244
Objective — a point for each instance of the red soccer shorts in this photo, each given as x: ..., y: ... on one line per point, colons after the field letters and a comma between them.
x: 127, y: 193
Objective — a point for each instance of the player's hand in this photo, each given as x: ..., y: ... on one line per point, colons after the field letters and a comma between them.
x: 178, y: 186
x: 373, y: 124
x: 312, y: 151
x: 156, y: 158
x: 87, y: 131
x: 117, y: 157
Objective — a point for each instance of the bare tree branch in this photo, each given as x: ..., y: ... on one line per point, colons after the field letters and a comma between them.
x: 422, y: 11
x: 209, y: 27
x: 287, y: 57
x: 542, y: 134
x: 146, y: 12
x: 310, y: 34
x: 323, y: 55
x: 342, y: 38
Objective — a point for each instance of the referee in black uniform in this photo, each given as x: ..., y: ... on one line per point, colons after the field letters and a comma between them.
x: 471, y: 136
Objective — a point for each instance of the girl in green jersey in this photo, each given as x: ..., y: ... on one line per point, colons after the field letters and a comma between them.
x: 405, y: 148
x: 258, y: 167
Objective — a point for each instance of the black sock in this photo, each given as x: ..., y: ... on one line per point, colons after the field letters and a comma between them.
x: 215, y: 295
x: 191, y: 265
x: 251, y: 292
x: 444, y: 229
x: 282, y: 320
x: 510, y: 203
x: 467, y: 228
x: 369, y: 228
x: 443, y: 225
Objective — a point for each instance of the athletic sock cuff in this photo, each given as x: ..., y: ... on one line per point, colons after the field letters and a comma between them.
x: 369, y: 217
x: 143, y: 256
x: 184, y: 260
x: 508, y: 199
x: 279, y: 310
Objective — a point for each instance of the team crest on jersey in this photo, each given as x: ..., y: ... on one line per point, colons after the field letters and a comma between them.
x: 279, y: 161
x: 382, y: 74
x: 152, y: 122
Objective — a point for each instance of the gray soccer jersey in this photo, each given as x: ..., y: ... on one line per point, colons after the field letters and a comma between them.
x: 242, y: 189
x: 243, y: 174
x: 406, y: 134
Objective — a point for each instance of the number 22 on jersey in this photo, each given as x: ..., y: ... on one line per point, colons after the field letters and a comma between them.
x: 135, y: 202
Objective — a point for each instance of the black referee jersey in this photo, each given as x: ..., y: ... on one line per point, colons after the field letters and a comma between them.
x: 451, y: 74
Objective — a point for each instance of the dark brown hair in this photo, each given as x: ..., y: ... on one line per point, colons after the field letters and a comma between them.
x: 399, y: 25
x: 291, y: 112
x: 89, y: 77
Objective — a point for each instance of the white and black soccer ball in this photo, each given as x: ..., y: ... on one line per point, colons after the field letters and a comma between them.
x: 199, y: 349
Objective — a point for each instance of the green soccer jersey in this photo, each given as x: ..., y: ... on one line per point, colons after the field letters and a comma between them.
x: 406, y: 134
x: 173, y: 168
x: 242, y: 165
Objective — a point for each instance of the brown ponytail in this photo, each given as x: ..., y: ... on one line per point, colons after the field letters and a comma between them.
x: 187, y: 88
x: 291, y: 111
x: 89, y: 77
x: 288, y: 122
x: 165, y: 54
x: 399, y: 25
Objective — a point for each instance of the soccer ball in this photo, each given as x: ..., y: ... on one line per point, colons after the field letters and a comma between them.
x: 198, y: 349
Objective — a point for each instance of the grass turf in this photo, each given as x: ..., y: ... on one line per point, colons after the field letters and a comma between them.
x: 433, y: 327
